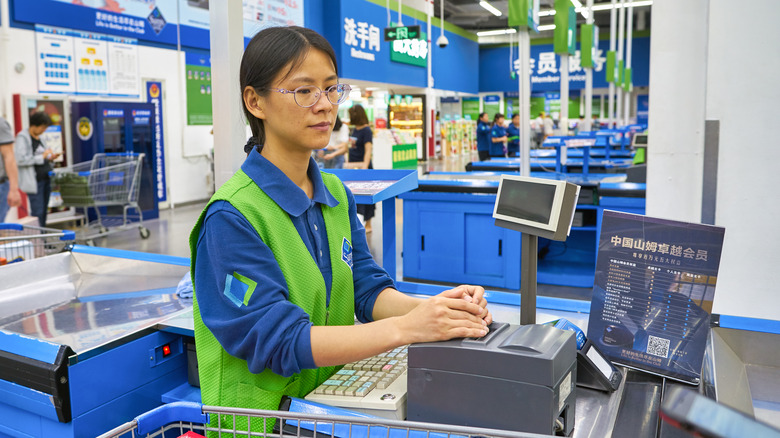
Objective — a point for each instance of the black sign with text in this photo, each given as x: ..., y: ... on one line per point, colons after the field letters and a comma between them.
x: 653, y: 293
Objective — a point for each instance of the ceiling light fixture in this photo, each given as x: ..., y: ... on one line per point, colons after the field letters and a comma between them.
x: 636, y: 4
x: 547, y: 13
x: 490, y: 8
x: 496, y: 32
x: 546, y: 27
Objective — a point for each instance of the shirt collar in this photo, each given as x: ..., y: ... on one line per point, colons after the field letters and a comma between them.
x: 281, y: 189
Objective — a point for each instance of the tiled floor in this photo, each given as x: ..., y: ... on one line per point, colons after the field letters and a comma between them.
x: 170, y: 232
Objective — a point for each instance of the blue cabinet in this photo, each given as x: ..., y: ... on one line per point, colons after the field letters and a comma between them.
x: 451, y: 237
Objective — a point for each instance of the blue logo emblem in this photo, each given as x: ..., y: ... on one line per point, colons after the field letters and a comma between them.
x: 157, y: 21
x: 346, y: 252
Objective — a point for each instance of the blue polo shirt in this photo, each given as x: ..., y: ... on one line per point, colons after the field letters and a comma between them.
x: 497, y: 149
x: 483, y: 136
x: 271, y: 332
x: 513, y: 146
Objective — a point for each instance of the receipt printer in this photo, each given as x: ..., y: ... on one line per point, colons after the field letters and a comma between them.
x: 519, y: 378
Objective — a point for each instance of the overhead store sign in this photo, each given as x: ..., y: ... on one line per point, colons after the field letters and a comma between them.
x: 363, y: 39
x: 410, y: 51
x: 402, y: 33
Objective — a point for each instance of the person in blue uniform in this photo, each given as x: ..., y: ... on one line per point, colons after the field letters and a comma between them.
x: 281, y: 236
x: 498, y: 137
x: 513, y: 134
x: 483, y: 137
x: 360, y: 154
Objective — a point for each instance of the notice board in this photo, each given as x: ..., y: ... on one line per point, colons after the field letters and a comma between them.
x: 653, y: 292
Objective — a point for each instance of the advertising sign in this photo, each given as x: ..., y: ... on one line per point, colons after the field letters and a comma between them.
x: 78, y: 62
x: 653, y: 293
x: 154, y: 96
x: 56, y: 61
x: 198, y: 80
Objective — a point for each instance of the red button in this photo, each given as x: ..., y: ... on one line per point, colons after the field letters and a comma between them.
x: 166, y: 350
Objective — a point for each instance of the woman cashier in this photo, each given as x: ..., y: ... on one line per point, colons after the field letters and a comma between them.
x: 280, y: 263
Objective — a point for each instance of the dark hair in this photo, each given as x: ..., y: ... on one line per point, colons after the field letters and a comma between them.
x: 337, y: 125
x: 40, y: 118
x: 268, y: 53
x: 357, y: 116
x: 515, y: 115
x: 481, y: 115
x: 496, y: 117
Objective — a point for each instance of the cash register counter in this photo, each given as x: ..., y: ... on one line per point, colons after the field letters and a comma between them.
x: 91, y: 338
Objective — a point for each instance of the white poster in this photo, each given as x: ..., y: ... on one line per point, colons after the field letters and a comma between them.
x: 54, y: 52
x: 123, y: 64
x: 91, y: 57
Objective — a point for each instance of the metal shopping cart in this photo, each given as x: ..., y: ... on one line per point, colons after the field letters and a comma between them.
x: 24, y: 242
x: 109, y: 180
x: 179, y: 418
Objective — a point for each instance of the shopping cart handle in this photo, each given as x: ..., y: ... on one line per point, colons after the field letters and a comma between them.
x: 188, y: 412
x: 68, y: 235
x: 11, y: 226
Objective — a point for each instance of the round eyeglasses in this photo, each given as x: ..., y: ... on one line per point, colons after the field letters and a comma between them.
x: 307, y: 95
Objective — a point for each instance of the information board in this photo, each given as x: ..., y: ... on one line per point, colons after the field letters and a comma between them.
x: 653, y: 292
x: 77, y: 62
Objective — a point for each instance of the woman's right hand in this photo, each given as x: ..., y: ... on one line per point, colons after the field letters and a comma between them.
x: 442, y: 317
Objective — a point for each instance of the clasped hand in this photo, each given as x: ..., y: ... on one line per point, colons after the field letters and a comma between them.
x: 460, y: 312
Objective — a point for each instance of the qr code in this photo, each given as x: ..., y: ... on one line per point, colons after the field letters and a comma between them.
x: 658, y: 346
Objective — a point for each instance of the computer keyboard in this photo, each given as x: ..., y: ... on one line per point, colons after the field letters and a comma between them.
x: 375, y: 386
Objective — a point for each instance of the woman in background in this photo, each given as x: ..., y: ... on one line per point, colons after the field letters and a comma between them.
x: 333, y: 154
x: 513, y: 131
x: 483, y: 137
x: 498, y: 137
x: 359, y: 157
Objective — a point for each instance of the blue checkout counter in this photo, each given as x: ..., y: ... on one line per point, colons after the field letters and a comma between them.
x: 93, y: 337
x: 449, y: 233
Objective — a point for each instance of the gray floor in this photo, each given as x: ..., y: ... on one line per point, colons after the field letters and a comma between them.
x: 170, y: 232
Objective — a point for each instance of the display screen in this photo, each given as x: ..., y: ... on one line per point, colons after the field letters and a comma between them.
x: 600, y: 362
x: 640, y: 140
x: 530, y: 201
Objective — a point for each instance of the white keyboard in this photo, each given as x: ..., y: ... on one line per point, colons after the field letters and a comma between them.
x: 375, y: 386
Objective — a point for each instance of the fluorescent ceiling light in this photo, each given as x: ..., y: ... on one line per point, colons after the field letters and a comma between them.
x: 496, y: 32
x: 547, y: 13
x: 490, y: 8
x: 636, y: 4
x: 546, y: 27
x: 578, y: 7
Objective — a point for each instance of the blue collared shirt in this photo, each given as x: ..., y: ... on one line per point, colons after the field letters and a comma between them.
x: 271, y: 332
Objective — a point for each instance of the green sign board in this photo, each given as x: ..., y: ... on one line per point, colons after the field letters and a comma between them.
x: 621, y: 70
x: 199, y: 95
x: 521, y: 13
x: 405, y: 156
x: 611, y: 73
x: 402, y: 33
x: 410, y: 51
x: 565, y: 36
x: 627, y: 79
x: 589, y: 38
x: 470, y: 108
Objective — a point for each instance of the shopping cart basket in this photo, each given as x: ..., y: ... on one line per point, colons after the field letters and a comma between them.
x: 111, y: 179
x: 176, y: 419
x: 24, y: 242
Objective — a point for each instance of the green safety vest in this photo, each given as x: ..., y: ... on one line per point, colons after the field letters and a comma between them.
x: 225, y: 380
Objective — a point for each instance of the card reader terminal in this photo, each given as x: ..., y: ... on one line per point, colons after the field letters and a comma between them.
x: 518, y: 378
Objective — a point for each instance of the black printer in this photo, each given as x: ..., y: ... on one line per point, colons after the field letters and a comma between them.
x: 519, y: 378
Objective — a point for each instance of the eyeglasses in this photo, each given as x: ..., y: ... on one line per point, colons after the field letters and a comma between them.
x: 307, y: 95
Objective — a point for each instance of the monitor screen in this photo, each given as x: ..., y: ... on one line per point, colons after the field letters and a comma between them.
x: 640, y: 139
x: 529, y: 201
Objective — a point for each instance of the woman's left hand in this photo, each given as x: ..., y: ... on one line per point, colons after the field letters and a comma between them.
x: 476, y: 294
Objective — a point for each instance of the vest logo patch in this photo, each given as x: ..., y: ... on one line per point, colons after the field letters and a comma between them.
x: 346, y: 252
x: 238, y: 289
